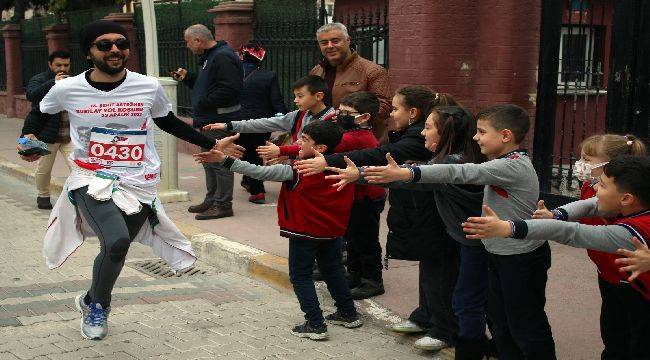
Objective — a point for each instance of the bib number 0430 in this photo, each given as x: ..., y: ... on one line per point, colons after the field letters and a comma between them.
x: 117, y: 152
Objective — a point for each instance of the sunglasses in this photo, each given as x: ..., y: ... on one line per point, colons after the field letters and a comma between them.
x: 107, y: 45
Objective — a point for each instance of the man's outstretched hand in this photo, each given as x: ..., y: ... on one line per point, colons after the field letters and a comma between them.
x: 228, y: 147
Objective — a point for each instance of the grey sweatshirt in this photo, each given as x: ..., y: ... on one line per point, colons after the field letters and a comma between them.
x: 511, y: 190
x: 276, y: 123
x: 607, y: 238
x: 277, y: 172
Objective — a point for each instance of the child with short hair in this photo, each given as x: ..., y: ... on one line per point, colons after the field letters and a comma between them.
x: 596, y: 152
x: 309, y: 92
x: 623, y: 195
x: 517, y: 271
x: 313, y: 215
x: 356, y: 111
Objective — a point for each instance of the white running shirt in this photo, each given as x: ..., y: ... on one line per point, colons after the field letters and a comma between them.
x: 113, y: 129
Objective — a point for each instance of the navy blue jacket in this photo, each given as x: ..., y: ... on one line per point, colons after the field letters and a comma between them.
x: 261, y: 97
x: 218, y: 84
x: 44, y: 126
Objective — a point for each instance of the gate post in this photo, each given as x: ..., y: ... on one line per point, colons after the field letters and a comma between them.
x: 11, y: 36
x: 233, y: 22
x: 57, y: 37
x: 549, y: 53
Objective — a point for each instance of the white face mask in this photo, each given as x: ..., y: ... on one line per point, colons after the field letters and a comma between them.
x: 582, y: 170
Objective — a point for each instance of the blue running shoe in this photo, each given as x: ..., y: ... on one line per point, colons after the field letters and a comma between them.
x: 94, y: 319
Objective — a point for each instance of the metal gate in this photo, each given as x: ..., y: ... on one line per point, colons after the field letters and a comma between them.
x: 586, y: 85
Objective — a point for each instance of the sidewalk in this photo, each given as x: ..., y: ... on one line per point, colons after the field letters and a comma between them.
x: 573, y: 302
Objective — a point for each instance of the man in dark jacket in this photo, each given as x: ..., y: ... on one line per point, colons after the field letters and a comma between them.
x: 216, y: 92
x: 51, y: 129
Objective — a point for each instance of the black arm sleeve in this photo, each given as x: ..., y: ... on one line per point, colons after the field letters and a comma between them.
x: 408, y: 148
x: 177, y: 127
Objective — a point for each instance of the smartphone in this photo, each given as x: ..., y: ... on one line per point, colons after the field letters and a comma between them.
x: 174, y: 74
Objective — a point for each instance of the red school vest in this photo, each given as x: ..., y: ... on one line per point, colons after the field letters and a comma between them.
x: 639, y: 226
x: 309, y: 208
x: 607, y: 269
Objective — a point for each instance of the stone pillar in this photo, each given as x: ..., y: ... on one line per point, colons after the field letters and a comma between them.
x: 127, y: 20
x: 167, y: 151
x: 14, y: 63
x: 57, y: 37
x: 233, y: 22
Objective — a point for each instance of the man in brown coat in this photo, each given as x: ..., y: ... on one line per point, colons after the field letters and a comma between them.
x: 346, y: 72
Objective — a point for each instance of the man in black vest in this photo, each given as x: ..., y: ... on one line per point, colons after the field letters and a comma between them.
x: 216, y: 91
x: 51, y: 129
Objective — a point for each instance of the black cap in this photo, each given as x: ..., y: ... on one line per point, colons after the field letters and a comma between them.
x: 95, y: 29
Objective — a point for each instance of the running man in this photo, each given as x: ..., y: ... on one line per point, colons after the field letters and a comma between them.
x: 111, y: 191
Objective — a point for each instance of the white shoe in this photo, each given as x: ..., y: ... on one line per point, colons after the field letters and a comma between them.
x: 408, y: 327
x: 430, y: 344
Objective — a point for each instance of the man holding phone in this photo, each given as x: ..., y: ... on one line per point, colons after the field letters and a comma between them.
x: 51, y: 129
x: 216, y: 91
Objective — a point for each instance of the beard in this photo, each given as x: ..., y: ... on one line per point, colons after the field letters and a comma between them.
x: 103, y: 66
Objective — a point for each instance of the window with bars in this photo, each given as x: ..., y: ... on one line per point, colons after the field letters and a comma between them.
x: 581, y: 56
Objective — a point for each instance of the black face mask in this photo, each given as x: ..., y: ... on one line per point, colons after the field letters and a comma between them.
x: 346, y: 122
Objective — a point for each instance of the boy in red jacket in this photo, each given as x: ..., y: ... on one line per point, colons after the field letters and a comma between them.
x: 313, y: 215
x: 355, y: 112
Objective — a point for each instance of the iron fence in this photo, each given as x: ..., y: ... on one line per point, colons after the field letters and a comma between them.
x: 572, y: 88
x: 369, y: 32
x: 172, y: 18
x: 34, y: 45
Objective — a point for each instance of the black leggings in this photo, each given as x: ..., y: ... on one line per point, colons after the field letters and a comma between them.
x: 116, y: 231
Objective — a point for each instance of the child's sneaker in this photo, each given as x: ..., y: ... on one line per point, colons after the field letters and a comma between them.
x: 307, y: 331
x: 408, y: 327
x: 349, y: 322
x: 430, y: 344
x: 94, y: 319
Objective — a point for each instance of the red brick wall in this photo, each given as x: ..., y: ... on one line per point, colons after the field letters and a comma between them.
x: 23, y: 106
x: 481, y: 52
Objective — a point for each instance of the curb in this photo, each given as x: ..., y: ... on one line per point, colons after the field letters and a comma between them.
x: 242, y: 259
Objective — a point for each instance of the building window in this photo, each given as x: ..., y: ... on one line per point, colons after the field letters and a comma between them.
x: 581, y: 56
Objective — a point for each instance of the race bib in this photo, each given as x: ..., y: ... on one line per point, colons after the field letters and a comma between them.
x: 117, y: 148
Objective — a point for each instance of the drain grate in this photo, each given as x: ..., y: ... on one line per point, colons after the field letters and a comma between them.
x: 158, y: 268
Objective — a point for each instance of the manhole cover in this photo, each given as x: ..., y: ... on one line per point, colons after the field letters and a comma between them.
x: 158, y: 268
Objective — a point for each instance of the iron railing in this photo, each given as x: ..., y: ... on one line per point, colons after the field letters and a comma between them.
x: 34, y: 45
x: 572, y: 88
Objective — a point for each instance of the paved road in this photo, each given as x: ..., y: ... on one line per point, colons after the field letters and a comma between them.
x: 212, y: 316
